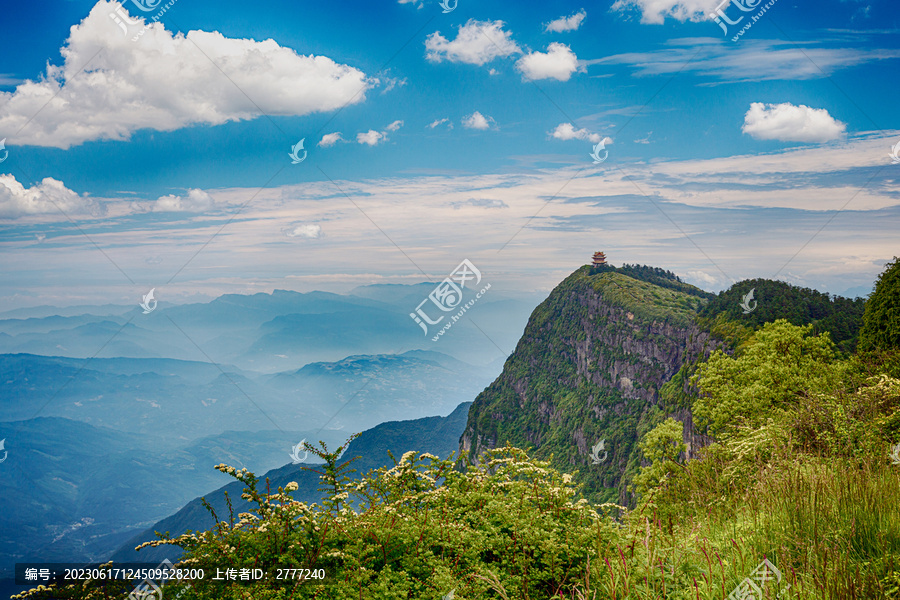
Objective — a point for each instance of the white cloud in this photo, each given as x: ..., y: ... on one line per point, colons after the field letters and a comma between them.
x: 480, y: 203
x: 165, y: 82
x: 392, y: 82
x: 477, y: 43
x: 563, y: 24
x: 788, y: 123
x: 50, y: 196
x: 567, y: 131
x: 195, y: 201
x: 559, y: 62
x: 437, y: 122
x: 308, y: 230
x: 371, y: 137
x: 722, y: 203
x: 656, y: 11
x: 753, y: 60
x: 477, y: 121
x: 702, y: 277
x: 330, y: 139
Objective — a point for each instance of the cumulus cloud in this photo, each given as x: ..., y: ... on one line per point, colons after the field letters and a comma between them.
x: 563, y: 24
x: 656, y: 11
x: 165, y: 82
x: 788, y: 123
x: 567, y: 131
x: 476, y: 43
x: 195, y: 201
x: 477, y: 121
x: 559, y: 62
x: 309, y: 231
x: 50, y: 196
x: 373, y: 138
x: 330, y: 139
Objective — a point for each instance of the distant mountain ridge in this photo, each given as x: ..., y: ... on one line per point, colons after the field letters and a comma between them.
x: 437, y: 435
x: 265, y: 332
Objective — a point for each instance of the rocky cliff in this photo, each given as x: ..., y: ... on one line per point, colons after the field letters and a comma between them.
x: 604, y: 358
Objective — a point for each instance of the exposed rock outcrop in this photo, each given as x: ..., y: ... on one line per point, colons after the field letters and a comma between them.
x: 589, y: 367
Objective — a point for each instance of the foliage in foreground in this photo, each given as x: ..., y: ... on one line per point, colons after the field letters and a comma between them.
x: 800, y: 475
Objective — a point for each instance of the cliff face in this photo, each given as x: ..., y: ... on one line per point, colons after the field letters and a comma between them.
x: 589, y: 367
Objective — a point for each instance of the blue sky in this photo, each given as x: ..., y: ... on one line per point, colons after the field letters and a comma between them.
x: 163, y: 159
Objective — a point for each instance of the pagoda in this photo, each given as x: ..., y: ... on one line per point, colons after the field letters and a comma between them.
x: 599, y: 259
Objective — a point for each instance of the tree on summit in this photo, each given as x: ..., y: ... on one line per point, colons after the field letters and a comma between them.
x: 881, y: 321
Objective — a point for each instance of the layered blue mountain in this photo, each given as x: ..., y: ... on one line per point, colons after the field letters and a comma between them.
x: 74, y: 491
x: 113, y: 419
x: 437, y: 435
x: 174, y: 401
x: 268, y: 332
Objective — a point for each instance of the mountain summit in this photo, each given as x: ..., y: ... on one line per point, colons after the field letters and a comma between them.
x: 607, y: 356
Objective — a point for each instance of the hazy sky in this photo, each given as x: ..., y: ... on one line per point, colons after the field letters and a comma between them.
x: 142, y: 154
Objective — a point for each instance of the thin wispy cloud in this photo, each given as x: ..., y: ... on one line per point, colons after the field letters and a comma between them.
x: 724, y: 204
x: 438, y: 122
x: 752, y: 60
